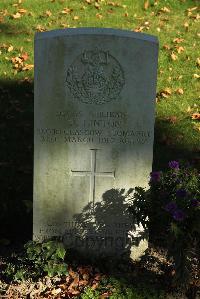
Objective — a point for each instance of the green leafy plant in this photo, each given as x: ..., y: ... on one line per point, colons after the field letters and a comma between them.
x: 170, y: 209
x: 39, y: 259
x: 89, y: 293
x: 118, y: 289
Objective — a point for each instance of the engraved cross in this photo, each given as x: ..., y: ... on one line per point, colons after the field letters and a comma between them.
x: 93, y: 174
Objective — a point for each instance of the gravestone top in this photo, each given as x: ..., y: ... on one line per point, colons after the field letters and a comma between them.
x: 96, y: 31
x: 95, y: 91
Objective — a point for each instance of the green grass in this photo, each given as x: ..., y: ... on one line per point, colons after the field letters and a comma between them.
x: 165, y: 19
x: 176, y: 134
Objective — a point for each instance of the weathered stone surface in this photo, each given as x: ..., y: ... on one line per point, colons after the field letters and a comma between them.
x: 94, y: 127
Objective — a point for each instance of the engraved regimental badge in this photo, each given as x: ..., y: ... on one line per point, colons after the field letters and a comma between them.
x: 95, y: 77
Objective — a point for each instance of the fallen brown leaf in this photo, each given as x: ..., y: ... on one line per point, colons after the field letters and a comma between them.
x: 196, y: 76
x: 16, y: 59
x: 105, y: 295
x: 76, y: 18
x: 86, y: 276
x: 74, y: 284
x: 10, y: 48
x: 16, y: 16
x: 166, y: 47
x: 22, y: 10
x: 169, y: 79
x: 192, y: 8
x: 66, y: 11
x: 146, y: 4
x: 116, y: 4
x: 139, y: 29
x: 165, y: 9
x: 28, y: 67
x: 75, y: 292
x: 4, y: 12
x: 97, y: 5
x: 167, y: 90
x: 97, y: 276
x: 186, y: 25
x: 99, y: 16
x: 178, y: 40
x: 95, y: 286
x: 196, y: 17
x: 55, y: 292
x: 173, y: 56
x: 180, y: 49
x: 65, y: 25
x: 110, y: 10
x: 164, y: 93
x: 18, y: 63
x: 84, y: 270
x: 179, y: 91
x: 72, y: 273
x: 67, y: 279
x: 40, y: 28
x: 48, y: 13
x: 196, y: 116
x: 197, y: 127
x: 24, y: 56
x: 198, y: 61
x: 83, y: 282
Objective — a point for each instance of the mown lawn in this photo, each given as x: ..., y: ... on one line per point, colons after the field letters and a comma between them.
x: 177, y: 126
x: 175, y: 22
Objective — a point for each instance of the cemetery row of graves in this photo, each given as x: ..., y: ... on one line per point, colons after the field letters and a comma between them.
x: 100, y: 149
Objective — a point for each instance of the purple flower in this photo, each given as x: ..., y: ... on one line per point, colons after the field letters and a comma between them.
x: 174, y: 175
x: 155, y: 176
x: 195, y: 202
x: 171, y: 207
x: 181, y: 192
x: 174, y: 164
x: 178, y: 215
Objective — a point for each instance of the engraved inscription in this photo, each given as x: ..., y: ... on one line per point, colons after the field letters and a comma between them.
x: 108, y: 127
x: 116, y: 136
x: 95, y: 77
x: 114, y: 235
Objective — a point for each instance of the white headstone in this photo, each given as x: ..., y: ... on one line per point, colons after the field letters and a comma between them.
x: 94, y: 126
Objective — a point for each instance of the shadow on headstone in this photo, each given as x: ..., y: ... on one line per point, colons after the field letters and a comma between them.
x: 106, y: 228
x: 16, y: 163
